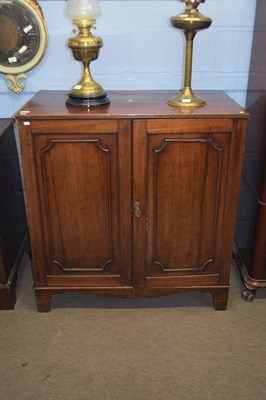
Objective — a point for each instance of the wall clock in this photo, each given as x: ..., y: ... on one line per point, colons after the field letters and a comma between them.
x: 23, y: 39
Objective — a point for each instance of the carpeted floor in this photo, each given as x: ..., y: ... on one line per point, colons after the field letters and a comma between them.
x: 170, y: 348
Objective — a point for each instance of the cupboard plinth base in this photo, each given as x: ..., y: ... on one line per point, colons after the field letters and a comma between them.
x: 44, y: 295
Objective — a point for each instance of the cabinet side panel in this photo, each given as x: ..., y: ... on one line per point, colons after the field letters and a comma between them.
x: 32, y: 203
x: 233, y: 185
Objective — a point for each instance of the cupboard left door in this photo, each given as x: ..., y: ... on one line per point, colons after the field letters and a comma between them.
x: 78, y: 188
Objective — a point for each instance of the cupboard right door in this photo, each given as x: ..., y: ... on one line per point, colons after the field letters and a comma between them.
x: 180, y: 187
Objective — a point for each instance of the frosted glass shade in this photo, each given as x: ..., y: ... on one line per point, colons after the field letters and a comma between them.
x: 82, y: 9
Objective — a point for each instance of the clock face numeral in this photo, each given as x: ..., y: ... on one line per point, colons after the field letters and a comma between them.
x: 20, y: 35
x: 27, y: 28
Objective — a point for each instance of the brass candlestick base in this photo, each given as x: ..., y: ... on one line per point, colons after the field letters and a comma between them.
x: 190, y: 22
x: 186, y: 99
x: 85, y: 48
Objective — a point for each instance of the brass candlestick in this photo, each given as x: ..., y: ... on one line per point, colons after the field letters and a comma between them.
x: 190, y: 21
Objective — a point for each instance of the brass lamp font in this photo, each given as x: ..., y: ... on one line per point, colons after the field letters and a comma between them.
x: 190, y: 21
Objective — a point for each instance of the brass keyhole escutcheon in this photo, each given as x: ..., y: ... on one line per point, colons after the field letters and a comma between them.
x: 137, y: 209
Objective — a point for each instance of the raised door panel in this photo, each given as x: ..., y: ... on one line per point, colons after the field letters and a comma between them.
x: 85, y: 197
x: 184, y: 191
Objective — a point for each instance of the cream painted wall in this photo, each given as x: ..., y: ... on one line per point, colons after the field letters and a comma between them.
x: 142, y: 51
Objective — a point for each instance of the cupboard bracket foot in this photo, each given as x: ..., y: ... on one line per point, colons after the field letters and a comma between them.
x: 43, y: 301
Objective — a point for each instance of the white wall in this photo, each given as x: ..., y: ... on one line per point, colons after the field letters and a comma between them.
x: 142, y: 51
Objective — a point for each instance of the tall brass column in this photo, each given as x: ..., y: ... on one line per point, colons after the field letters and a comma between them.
x: 190, y: 21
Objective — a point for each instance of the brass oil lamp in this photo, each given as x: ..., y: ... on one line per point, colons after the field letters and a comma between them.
x: 85, y: 48
x: 190, y: 21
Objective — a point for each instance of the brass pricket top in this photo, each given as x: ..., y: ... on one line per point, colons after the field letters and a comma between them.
x: 192, y: 3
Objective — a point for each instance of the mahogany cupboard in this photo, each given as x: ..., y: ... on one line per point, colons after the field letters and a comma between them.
x: 250, y: 249
x: 13, y: 223
x: 137, y: 198
x: 251, y: 259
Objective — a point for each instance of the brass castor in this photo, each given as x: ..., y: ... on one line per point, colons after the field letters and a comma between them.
x: 247, y: 295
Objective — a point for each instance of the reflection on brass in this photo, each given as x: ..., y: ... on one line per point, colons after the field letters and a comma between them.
x: 190, y: 21
x: 85, y: 48
x: 16, y: 85
x: 9, y: 40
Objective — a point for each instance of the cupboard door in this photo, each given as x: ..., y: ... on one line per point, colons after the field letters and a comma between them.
x: 84, y: 183
x: 182, y: 199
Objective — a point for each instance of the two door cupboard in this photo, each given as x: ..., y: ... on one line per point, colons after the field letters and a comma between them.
x: 134, y: 199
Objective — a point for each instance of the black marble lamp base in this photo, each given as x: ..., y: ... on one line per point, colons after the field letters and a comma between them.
x: 90, y: 101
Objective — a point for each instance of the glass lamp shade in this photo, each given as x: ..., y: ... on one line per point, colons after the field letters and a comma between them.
x: 82, y: 9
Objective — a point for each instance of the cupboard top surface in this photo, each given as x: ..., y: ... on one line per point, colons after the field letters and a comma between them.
x: 130, y: 104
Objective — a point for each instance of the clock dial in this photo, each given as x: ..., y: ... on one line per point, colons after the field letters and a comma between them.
x: 23, y: 36
x: 20, y: 37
